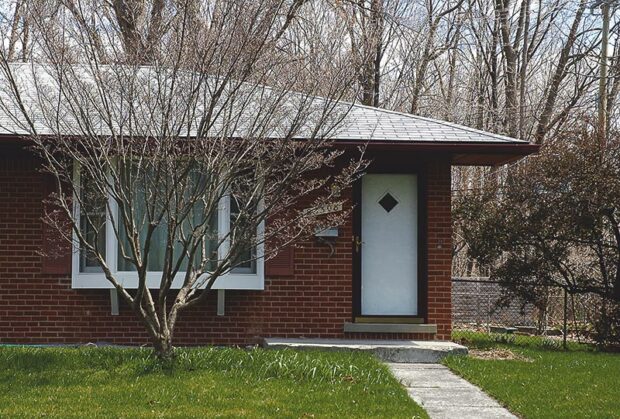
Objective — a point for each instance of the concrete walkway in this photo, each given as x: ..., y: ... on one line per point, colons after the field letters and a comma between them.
x: 445, y: 395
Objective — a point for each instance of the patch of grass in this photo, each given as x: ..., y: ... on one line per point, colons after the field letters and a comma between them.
x: 490, y: 340
x: 204, y: 382
x: 547, y: 382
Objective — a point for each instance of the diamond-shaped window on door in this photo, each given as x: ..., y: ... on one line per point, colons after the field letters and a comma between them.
x: 388, y: 202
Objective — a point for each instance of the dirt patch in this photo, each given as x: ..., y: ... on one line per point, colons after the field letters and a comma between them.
x: 498, y: 354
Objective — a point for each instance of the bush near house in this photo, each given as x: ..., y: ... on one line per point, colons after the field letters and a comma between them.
x: 206, y: 382
x: 553, y: 222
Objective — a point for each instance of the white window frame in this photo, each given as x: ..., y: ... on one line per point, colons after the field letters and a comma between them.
x: 129, y: 280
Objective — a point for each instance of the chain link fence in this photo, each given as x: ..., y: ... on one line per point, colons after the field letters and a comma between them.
x: 478, y: 306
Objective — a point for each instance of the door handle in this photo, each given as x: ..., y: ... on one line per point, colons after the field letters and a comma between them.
x: 357, y: 242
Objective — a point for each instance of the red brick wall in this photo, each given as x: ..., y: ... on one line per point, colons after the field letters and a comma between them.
x: 439, y: 248
x: 316, y: 302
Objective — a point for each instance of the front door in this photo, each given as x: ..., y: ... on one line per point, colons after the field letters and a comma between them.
x: 389, y: 248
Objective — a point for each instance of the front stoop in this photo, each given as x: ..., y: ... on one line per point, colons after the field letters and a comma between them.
x: 402, y: 351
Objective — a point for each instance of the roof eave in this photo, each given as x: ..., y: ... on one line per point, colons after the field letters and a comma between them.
x: 462, y: 153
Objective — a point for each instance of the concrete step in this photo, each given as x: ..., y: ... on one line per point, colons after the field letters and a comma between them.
x: 403, y: 351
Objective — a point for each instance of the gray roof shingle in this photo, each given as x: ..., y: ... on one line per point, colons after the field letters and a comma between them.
x: 361, y: 123
x: 375, y: 124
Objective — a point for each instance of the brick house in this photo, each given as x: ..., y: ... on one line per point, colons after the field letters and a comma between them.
x: 385, y: 274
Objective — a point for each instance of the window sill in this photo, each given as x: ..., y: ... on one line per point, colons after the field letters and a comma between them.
x: 129, y: 280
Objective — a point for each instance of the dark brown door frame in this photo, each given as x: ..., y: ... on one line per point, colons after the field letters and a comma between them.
x: 420, y: 171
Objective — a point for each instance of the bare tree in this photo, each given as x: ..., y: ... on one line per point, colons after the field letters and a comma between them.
x: 437, y: 12
x: 560, y: 73
x: 505, y: 66
x: 614, y: 82
x: 14, y: 29
x: 366, y: 25
x: 191, y: 166
x: 511, y: 55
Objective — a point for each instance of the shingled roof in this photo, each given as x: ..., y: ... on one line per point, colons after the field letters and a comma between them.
x: 361, y: 123
x: 376, y: 124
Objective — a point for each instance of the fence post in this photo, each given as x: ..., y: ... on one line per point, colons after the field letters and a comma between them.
x: 564, y: 326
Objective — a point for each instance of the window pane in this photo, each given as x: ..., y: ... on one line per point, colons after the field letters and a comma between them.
x: 157, y: 252
x: 92, y: 224
x: 247, y: 257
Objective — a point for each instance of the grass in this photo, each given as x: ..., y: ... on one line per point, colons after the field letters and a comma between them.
x: 205, y: 382
x: 547, y: 382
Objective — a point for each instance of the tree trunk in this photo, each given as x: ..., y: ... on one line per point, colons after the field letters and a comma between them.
x: 615, y: 82
x: 420, y: 72
x: 158, y: 323
x: 480, y: 91
x: 162, y: 346
x: 376, y: 85
x: 14, y: 29
x: 371, y: 49
x: 523, y: 71
x: 127, y: 16
x: 494, y: 74
x: 449, y: 111
x: 558, y: 76
x: 510, y: 55
x: 602, y: 101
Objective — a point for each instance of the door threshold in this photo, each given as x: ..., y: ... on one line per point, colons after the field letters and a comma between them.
x: 389, y: 328
x: 389, y: 319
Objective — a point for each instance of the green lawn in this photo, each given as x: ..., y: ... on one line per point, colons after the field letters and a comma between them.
x: 547, y: 382
x: 206, y: 382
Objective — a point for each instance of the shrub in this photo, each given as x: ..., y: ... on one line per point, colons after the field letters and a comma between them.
x: 553, y: 221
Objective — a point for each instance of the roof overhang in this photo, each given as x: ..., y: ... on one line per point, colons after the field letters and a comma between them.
x: 461, y: 153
